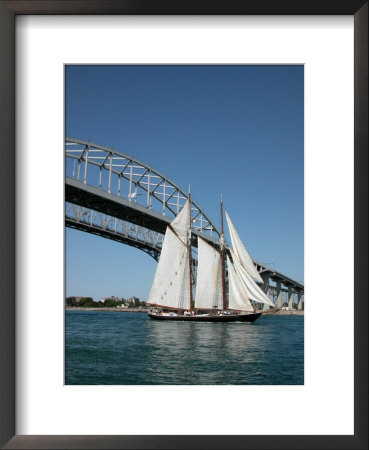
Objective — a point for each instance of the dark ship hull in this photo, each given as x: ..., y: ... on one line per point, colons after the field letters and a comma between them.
x: 208, y: 318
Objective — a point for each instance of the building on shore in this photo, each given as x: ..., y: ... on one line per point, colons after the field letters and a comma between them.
x: 114, y: 298
x: 132, y: 301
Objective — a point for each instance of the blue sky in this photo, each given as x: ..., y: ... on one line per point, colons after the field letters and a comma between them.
x: 235, y: 130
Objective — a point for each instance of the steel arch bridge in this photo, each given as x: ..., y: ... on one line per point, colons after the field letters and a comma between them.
x: 118, y: 197
x: 115, y: 196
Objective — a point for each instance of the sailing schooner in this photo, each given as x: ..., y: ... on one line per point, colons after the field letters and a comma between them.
x: 171, y: 293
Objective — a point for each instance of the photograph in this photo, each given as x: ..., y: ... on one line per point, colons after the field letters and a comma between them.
x: 179, y: 178
x: 184, y: 224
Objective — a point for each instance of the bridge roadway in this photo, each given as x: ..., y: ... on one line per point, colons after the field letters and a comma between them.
x: 96, y: 199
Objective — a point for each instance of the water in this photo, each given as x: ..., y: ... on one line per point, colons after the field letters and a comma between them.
x: 130, y: 348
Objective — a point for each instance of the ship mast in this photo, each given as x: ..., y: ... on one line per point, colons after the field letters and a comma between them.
x: 190, y: 253
x: 222, y: 255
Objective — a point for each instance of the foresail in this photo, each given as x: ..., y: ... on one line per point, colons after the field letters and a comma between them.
x: 241, y: 252
x: 182, y: 222
x: 237, y: 293
x: 171, y: 286
x: 253, y: 290
x: 209, y: 277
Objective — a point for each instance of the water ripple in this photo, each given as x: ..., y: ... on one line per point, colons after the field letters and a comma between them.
x: 129, y: 348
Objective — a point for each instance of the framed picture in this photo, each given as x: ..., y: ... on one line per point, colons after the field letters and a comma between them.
x: 142, y: 403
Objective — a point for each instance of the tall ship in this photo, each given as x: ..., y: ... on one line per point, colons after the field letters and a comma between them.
x: 171, y: 295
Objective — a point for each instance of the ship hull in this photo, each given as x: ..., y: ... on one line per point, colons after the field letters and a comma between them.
x: 204, y: 318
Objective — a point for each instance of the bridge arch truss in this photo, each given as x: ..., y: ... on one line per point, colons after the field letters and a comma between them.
x: 125, y: 177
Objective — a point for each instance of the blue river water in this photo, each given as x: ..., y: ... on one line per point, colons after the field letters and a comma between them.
x: 117, y: 348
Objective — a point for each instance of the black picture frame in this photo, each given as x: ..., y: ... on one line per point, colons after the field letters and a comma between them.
x: 8, y: 12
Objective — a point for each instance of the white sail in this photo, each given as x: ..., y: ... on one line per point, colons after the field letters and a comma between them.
x: 171, y: 286
x: 241, y: 252
x: 253, y: 290
x: 237, y: 293
x: 209, y: 292
x: 182, y: 222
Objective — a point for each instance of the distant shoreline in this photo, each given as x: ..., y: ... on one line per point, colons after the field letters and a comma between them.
x: 294, y: 312
x: 113, y: 308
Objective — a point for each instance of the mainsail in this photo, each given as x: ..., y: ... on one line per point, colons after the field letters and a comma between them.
x: 241, y: 252
x: 171, y: 286
x: 209, y: 277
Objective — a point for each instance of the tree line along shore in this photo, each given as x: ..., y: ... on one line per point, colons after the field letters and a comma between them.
x: 110, y: 308
x: 108, y: 302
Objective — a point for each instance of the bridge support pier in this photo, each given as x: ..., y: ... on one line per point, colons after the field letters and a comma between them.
x: 290, y: 297
x: 279, y: 295
x: 266, y: 287
x: 299, y: 305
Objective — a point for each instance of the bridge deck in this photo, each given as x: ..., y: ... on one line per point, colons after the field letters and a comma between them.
x: 98, y: 200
